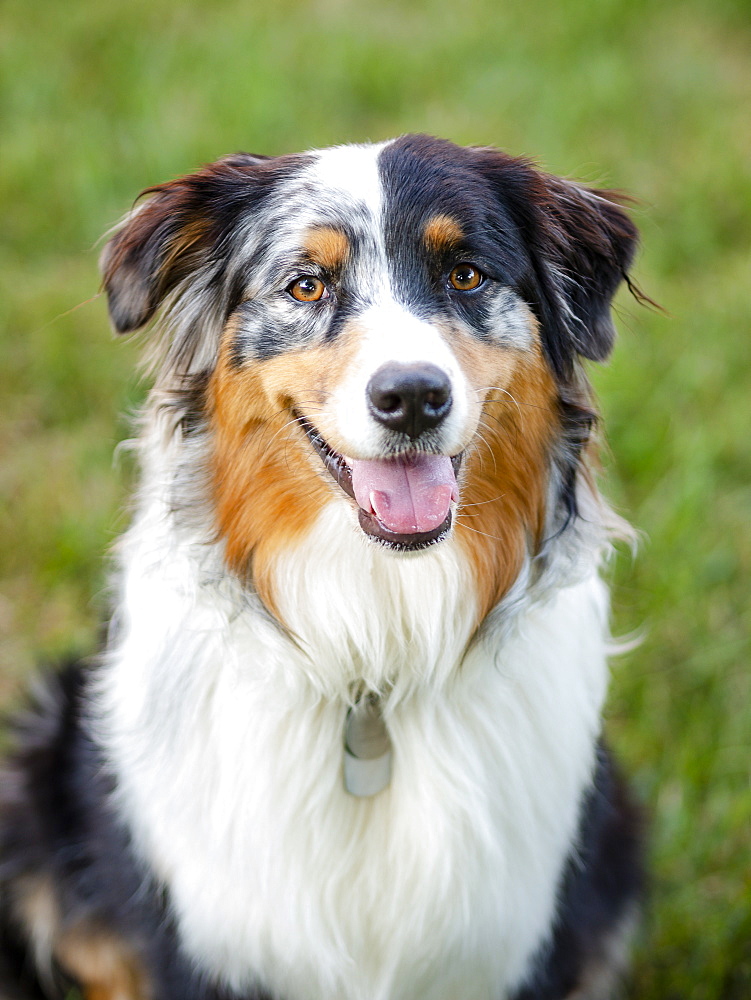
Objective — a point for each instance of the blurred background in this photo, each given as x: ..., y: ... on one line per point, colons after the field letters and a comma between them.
x: 100, y: 99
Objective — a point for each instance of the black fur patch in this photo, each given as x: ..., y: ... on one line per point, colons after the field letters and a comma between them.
x: 423, y: 177
x: 580, y: 243
x: 602, y: 885
x: 577, y: 420
x: 563, y: 248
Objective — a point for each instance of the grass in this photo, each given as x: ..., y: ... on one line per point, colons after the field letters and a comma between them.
x: 100, y: 100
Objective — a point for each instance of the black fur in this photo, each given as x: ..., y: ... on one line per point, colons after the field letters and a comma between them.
x: 602, y: 886
x: 424, y: 177
x: 564, y: 248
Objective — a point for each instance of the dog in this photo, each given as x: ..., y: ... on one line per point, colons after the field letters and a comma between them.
x: 343, y: 741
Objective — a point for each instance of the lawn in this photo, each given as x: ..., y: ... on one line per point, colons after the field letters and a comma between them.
x: 98, y: 100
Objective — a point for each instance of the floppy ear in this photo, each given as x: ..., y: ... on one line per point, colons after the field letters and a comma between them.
x: 165, y: 239
x: 579, y: 245
x: 582, y: 247
x: 147, y: 256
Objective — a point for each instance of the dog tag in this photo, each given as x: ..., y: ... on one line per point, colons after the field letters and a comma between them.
x: 367, y: 749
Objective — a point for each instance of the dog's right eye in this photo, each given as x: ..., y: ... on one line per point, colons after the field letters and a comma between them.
x: 466, y: 277
x: 308, y: 289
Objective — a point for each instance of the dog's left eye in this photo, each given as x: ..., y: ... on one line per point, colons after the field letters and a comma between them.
x: 465, y: 277
x: 308, y: 289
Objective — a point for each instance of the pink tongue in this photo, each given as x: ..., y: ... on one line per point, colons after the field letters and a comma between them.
x: 407, y: 495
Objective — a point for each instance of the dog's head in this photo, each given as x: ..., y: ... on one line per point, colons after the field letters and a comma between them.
x: 394, y: 328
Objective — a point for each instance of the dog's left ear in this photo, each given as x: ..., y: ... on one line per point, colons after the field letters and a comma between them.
x: 582, y: 246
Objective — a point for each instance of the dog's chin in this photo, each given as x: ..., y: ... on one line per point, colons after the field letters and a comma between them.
x: 340, y: 470
x: 402, y: 542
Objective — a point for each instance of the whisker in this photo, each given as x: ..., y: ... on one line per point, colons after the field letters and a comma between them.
x: 469, y: 527
x: 483, y: 423
x: 488, y: 448
x: 479, y: 503
x: 284, y: 427
x: 497, y: 388
x: 519, y: 402
x: 69, y: 312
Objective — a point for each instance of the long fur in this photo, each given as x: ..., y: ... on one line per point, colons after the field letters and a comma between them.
x: 174, y: 822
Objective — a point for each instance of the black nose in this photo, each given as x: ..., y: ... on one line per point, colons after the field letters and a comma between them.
x: 409, y: 398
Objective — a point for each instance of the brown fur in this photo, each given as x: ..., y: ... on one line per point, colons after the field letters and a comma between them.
x: 268, y: 484
x: 442, y: 233
x: 327, y: 246
x: 193, y: 235
x: 105, y: 967
x: 502, y: 508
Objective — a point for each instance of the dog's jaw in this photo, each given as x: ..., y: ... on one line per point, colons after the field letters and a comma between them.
x: 378, y: 526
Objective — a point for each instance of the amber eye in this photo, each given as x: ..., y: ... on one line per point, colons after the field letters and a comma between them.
x: 307, y: 289
x: 464, y: 277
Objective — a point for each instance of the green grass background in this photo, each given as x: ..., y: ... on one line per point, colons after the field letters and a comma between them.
x: 99, y: 99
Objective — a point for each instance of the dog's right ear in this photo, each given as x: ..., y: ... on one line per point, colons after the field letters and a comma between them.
x: 169, y: 236
x: 145, y: 257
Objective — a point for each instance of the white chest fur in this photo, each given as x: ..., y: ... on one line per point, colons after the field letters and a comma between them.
x: 226, y: 738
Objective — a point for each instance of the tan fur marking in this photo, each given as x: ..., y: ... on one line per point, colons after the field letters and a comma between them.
x: 105, y: 966
x: 502, y: 509
x: 36, y: 910
x: 269, y: 486
x: 327, y: 246
x: 442, y: 233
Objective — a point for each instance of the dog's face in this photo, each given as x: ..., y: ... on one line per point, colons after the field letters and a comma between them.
x: 392, y: 328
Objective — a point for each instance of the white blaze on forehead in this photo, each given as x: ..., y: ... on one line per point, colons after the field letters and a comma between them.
x: 390, y: 333
x: 353, y: 171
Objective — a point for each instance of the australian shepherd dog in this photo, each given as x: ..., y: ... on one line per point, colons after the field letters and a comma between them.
x: 343, y: 740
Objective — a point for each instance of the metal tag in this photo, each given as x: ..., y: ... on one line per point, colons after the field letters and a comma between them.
x: 367, y: 749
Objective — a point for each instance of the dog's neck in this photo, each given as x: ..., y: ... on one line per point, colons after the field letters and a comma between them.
x: 363, y: 615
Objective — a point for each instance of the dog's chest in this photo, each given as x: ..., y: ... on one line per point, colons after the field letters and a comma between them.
x: 440, y: 887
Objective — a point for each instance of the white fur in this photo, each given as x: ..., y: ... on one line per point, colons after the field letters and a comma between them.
x: 225, y: 735
x: 389, y: 332
x: 512, y: 322
x: 351, y: 170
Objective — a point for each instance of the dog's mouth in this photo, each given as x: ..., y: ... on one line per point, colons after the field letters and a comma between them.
x: 403, y: 502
